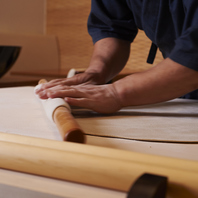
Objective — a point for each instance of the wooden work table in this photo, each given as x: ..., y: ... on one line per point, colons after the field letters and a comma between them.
x: 139, y: 131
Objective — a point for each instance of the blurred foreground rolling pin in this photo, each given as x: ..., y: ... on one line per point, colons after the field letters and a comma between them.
x: 121, y: 155
x: 94, y: 170
x: 59, y: 112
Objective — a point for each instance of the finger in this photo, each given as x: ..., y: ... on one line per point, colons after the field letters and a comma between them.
x: 43, y: 93
x: 63, y: 81
x: 48, y: 85
x: 75, y: 80
x: 64, y: 91
x: 57, y: 82
x: 53, y: 83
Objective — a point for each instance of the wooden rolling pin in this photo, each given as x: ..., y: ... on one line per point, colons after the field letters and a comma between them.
x: 59, y: 112
x: 117, y: 154
x: 93, y: 170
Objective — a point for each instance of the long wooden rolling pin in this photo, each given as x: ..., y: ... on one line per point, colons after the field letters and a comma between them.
x: 94, y: 170
x: 59, y: 112
x: 117, y: 154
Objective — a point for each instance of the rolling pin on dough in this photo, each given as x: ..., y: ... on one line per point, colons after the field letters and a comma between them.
x: 59, y: 112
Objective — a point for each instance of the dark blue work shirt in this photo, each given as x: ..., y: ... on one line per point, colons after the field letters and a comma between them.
x: 172, y: 25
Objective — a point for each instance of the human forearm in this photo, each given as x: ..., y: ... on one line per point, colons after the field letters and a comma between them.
x: 109, y: 57
x: 165, y: 81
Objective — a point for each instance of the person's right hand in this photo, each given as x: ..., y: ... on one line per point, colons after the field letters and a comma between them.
x: 99, y: 98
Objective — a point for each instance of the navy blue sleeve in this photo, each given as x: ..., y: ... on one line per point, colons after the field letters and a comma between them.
x: 185, y: 51
x: 111, y: 18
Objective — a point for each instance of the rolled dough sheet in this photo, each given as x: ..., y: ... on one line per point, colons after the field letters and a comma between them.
x: 22, y: 113
x: 173, y: 121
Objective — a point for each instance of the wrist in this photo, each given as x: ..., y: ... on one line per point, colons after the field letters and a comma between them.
x: 96, y: 77
x: 121, y: 92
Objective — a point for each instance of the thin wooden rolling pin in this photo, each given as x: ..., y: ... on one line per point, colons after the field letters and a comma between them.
x: 59, y: 112
x: 92, y: 170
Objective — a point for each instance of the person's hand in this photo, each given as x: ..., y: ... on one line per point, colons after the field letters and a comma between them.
x: 99, y: 98
x: 81, y: 78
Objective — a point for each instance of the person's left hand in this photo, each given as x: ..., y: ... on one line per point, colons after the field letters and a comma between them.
x: 99, y: 98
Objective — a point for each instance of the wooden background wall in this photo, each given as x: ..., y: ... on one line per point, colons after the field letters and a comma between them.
x: 67, y: 19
